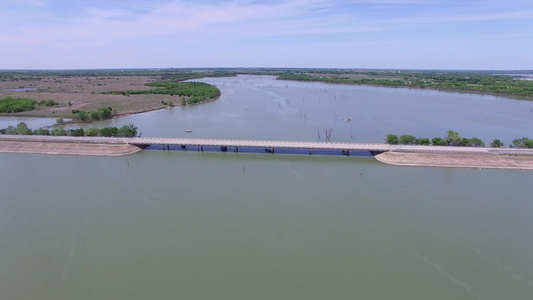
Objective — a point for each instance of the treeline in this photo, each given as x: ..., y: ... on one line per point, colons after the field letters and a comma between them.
x: 129, y: 130
x: 454, y: 139
x: 14, y: 105
x: 95, y: 115
x: 340, y: 79
x: 466, y: 82
x: 196, y: 91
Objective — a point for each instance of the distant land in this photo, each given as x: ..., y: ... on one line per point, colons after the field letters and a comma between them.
x: 130, y: 91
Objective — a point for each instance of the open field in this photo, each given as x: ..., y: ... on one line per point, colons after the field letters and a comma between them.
x: 85, y: 93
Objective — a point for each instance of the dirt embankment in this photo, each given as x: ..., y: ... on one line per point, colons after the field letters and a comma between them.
x: 459, y: 160
x: 68, y: 148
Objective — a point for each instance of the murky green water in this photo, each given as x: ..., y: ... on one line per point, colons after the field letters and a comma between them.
x: 190, y: 225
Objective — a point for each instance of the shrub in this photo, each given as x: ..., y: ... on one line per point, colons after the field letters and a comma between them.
x: 389, y: 139
x: 407, y: 140
x: 423, y: 141
x: 438, y: 141
x: 13, y: 105
x: 496, y: 144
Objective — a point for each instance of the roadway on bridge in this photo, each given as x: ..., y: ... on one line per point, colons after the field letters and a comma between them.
x: 144, y: 141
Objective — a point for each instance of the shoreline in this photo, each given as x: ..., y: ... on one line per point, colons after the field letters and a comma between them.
x: 120, y: 115
x: 459, y: 91
x: 59, y: 148
x: 457, y: 160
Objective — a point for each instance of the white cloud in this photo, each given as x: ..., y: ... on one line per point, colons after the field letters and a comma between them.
x: 165, y: 28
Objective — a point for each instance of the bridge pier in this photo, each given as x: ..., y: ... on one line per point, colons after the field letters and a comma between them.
x: 235, y: 149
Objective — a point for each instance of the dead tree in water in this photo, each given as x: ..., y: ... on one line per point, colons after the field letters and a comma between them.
x: 327, y: 132
x: 318, y: 132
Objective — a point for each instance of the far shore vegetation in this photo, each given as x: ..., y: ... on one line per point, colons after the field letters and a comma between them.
x: 454, y: 139
x: 472, y: 82
x: 129, y: 130
x: 14, y: 105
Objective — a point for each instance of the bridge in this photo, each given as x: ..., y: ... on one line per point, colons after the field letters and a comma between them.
x: 269, y: 146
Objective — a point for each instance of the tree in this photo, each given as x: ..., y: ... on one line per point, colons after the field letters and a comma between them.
x: 41, y: 131
x: 91, y: 131
x: 453, y: 138
x: 391, y: 139
x: 496, y: 144
x: 129, y: 130
x: 523, y: 142
x: 94, y: 115
x: 423, y: 141
x: 58, y: 132
x: 407, y: 140
x: 109, y: 131
x: 475, y: 142
x: 22, y: 129
x: 76, y: 132
x: 438, y: 141
x: 82, y: 116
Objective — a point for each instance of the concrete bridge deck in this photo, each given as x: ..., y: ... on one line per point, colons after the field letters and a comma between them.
x: 375, y: 148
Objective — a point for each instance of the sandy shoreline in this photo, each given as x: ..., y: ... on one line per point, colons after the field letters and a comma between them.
x: 68, y: 148
x: 459, y: 160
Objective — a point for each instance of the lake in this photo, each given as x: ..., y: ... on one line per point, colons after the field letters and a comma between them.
x: 200, y: 225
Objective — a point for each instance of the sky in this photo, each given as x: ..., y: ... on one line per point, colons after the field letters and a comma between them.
x: 370, y: 34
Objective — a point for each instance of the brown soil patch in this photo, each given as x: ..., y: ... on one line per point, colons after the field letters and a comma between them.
x: 483, y: 161
x: 85, y: 93
x: 68, y: 148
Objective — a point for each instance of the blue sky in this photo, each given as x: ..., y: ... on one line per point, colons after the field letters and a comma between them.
x: 385, y: 34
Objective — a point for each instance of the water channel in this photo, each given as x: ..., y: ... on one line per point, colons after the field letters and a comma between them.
x: 186, y: 224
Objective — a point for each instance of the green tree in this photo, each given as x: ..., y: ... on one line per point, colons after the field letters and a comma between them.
x: 475, y: 142
x: 105, y: 113
x: 496, y: 144
x: 407, y: 140
x: 423, y: 141
x: 82, y: 116
x: 94, y: 115
x: 58, y: 132
x: 50, y: 103
x: 129, y: 130
x: 91, y: 131
x: 523, y: 142
x: 109, y: 131
x: 13, y: 105
x: 41, y: 131
x: 22, y: 129
x: 453, y: 138
x: 389, y: 139
x: 438, y: 141
x: 76, y: 132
